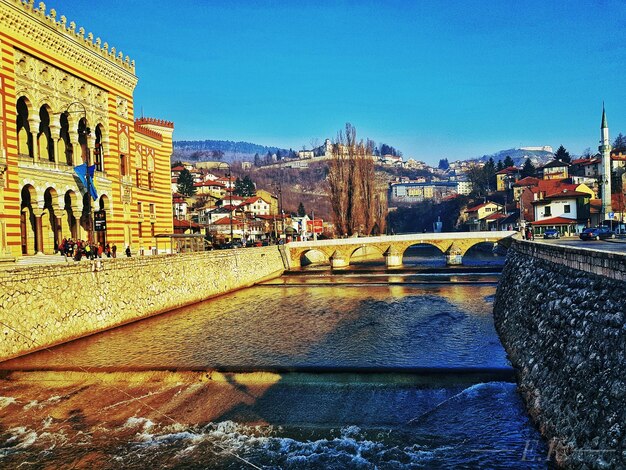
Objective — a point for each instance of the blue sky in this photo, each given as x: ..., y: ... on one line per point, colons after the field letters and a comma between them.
x: 435, y: 79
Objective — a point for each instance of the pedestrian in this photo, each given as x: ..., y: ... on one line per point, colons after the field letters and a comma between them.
x: 100, y: 250
x: 114, y: 250
x: 128, y: 251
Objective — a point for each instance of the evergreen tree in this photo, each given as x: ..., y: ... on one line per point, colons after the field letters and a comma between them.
x: 301, y: 211
x: 619, y: 143
x: 490, y: 174
x: 562, y: 155
x: 244, y: 187
x: 257, y: 160
x: 528, y: 169
x: 443, y: 164
x: 248, y: 187
x: 185, y: 183
x: 500, y: 166
x: 508, y: 161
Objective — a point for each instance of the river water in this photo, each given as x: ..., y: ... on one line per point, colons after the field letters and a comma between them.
x: 363, y: 368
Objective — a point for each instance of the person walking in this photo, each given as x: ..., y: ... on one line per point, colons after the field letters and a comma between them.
x: 114, y: 250
x: 128, y: 251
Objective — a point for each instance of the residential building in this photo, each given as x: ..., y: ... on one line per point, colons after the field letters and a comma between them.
x: 484, y: 216
x: 506, y: 178
x: 554, y: 170
x: 412, y: 191
x: 67, y: 110
x: 567, y: 210
x: 256, y: 206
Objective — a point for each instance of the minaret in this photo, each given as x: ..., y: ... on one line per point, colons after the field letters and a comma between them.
x: 605, y: 167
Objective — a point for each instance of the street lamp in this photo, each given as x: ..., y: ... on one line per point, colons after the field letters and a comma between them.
x: 281, y: 212
x: 83, y: 133
x: 231, y: 198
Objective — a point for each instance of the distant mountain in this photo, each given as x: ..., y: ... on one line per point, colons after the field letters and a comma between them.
x: 519, y: 156
x: 232, y: 150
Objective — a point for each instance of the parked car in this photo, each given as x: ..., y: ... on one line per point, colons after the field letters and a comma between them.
x: 597, y: 233
x: 551, y: 233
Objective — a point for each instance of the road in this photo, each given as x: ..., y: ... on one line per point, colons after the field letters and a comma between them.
x: 617, y: 245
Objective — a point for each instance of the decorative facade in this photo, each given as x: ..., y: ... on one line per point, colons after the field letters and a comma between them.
x: 66, y: 102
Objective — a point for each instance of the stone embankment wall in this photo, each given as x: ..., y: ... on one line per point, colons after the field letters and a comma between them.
x: 47, y: 305
x: 561, y: 315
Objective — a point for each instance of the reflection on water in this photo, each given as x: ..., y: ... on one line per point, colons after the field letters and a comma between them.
x: 349, y: 326
x: 458, y: 415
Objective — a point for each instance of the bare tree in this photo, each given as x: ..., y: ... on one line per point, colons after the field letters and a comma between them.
x: 352, y: 185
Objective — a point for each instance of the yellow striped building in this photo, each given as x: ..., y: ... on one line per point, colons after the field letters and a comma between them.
x: 66, y: 98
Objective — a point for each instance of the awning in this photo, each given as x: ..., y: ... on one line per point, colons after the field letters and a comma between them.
x: 556, y: 221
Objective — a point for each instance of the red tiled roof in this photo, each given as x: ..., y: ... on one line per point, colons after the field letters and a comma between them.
x: 566, y: 194
x: 209, y: 183
x: 528, y: 181
x: 508, y: 170
x: 553, y: 186
x: 480, y: 206
x: 555, y: 221
x: 185, y: 224
x: 495, y: 216
x: 585, y: 161
x: 178, y: 168
x: 225, y: 221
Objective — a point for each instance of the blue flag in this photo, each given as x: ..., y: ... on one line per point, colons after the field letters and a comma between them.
x: 92, y: 186
x: 81, y: 172
x: 85, y: 175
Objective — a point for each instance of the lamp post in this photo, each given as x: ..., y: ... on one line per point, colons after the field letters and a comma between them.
x: 83, y: 133
x: 279, y: 189
x: 231, y: 198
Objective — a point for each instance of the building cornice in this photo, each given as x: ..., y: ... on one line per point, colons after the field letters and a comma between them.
x: 32, y: 26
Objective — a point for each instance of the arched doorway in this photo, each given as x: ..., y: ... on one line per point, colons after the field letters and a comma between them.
x: 28, y: 221
x: 44, y: 137
x: 65, y: 144
x: 103, y: 204
x: 98, y: 149
x: 86, y: 218
x: 83, y: 132
x: 50, y: 222
x: 70, y: 229
x: 24, y: 136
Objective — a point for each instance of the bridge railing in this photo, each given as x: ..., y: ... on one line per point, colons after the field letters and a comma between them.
x: 408, y: 237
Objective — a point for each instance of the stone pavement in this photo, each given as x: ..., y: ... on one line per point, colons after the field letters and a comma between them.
x: 38, y: 260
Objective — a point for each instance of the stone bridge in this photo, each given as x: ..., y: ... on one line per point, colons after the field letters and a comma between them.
x: 338, y: 252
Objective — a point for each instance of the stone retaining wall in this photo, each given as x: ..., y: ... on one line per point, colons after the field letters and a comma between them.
x: 560, y: 313
x: 47, y: 305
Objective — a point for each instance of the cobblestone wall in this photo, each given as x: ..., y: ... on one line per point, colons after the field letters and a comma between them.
x: 560, y: 313
x: 47, y: 305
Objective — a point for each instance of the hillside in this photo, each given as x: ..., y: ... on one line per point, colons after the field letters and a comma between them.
x: 202, y: 149
x: 519, y: 156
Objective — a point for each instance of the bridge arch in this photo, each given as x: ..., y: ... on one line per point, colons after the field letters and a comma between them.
x: 367, y: 252
x: 417, y: 253
x: 313, y: 256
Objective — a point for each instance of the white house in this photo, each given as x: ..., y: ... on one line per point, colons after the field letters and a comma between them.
x: 564, y: 210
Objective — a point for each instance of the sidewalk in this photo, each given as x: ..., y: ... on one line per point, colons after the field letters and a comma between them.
x: 39, y: 260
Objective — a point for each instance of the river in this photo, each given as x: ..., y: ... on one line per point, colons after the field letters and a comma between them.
x: 362, y: 368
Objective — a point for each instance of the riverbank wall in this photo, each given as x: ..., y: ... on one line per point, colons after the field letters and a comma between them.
x: 561, y: 316
x: 42, y: 306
